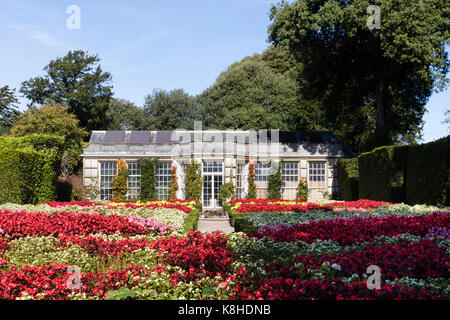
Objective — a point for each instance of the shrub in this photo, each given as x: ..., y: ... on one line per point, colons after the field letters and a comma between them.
x: 348, y: 176
x: 275, y: 183
x: 148, y: 178
x: 382, y: 174
x: 120, y: 185
x: 428, y: 178
x: 29, y: 168
x: 251, y: 182
x: 226, y: 191
x: 302, y: 190
x: 193, y: 182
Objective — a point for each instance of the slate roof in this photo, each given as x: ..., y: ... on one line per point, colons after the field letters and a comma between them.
x: 163, y: 137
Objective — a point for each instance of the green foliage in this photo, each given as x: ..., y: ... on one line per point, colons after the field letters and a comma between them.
x: 302, y: 190
x: 429, y: 173
x: 170, y: 110
x: 251, y: 194
x: 29, y: 168
x: 250, y: 95
x: 372, y: 84
x: 125, y: 115
x: 227, y: 191
x: 191, y: 222
x: 348, y: 176
x: 382, y: 174
x: 120, y: 184
x: 76, y: 81
x: 173, y: 184
x: 275, y: 184
x: 193, y: 181
x: 8, y: 108
x: 148, y: 178
x: 54, y: 120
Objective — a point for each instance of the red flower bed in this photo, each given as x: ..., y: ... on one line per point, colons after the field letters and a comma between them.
x: 419, y: 260
x: 296, y: 289
x: 155, y: 206
x: 359, y: 204
x: 57, y: 204
x: 20, y: 224
x: 208, y: 253
x: 275, y: 205
x: 100, y: 247
x: 359, y: 229
x: 51, y: 282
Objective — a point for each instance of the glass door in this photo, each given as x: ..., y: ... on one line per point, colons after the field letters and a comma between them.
x: 212, y: 181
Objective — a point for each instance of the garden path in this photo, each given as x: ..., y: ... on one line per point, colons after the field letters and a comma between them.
x: 214, y: 224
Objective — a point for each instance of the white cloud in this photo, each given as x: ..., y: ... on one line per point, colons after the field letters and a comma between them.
x: 36, y: 33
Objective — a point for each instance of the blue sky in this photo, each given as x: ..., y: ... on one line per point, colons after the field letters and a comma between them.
x: 148, y: 45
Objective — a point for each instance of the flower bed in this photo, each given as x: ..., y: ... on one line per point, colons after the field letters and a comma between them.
x: 123, y: 253
x: 358, y: 205
x: 276, y: 205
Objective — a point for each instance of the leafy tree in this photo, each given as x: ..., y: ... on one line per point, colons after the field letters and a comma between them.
x: 8, y: 108
x: 54, y: 120
x: 193, y: 182
x: 76, y: 81
x: 369, y: 82
x: 125, y: 115
x: 169, y: 110
x: 249, y: 95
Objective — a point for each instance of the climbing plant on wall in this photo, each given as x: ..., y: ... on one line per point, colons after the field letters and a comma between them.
x: 193, y: 181
x: 173, y: 184
x: 275, y: 184
x: 120, y: 184
x: 251, y: 182
x: 148, y: 178
x: 302, y: 190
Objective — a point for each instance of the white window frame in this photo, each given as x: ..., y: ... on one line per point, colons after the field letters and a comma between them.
x: 134, y: 180
x: 107, y: 192
x: 163, y: 175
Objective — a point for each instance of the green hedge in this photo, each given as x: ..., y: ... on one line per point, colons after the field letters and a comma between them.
x: 348, y: 176
x: 238, y: 220
x: 382, y: 174
x: 428, y: 179
x: 29, y: 168
x: 191, y: 223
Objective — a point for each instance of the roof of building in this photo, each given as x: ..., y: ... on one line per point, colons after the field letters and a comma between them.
x: 149, y: 143
x: 164, y: 137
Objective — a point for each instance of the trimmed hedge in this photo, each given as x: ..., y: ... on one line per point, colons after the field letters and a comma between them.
x: 382, y: 174
x: 29, y: 168
x: 429, y: 173
x: 191, y: 222
x: 148, y: 178
x: 238, y: 220
x: 348, y: 176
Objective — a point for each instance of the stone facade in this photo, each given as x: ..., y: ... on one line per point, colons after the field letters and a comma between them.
x: 223, y: 155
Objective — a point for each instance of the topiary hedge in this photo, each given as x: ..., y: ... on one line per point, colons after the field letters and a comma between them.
x: 428, y: 179
x: 29, y: 168
x: 382, y: 174
x: 191, y: 222
x: 348, y: 176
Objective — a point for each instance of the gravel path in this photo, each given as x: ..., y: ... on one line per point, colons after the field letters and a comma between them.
x: 214, y: 224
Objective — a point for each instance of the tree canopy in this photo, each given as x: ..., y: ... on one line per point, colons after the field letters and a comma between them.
x: 372, y: 84
x: 249, y: 95
x: 8, y: 108
x: 76, y: 81
x: 125, y: 115
x: 169, y: 110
